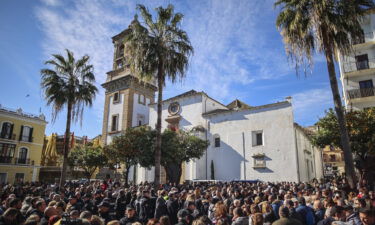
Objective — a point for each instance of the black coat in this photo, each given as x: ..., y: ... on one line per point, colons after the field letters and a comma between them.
x: 161, y: 208
x: 172, y: 210
x: 128, y: 221
x: 147, y: 209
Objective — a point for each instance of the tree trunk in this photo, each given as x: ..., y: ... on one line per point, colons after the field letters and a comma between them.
x: 158, y: 127
x: 348, y: 156
x: 173, y: 171
x: 126, y: 175
x: 66, y: 145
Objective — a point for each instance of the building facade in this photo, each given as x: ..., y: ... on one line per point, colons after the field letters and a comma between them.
x: 52, y: 155
x: 334, y: 163
x: 21, y: 143
x: 126, y: 97
x: 357, y: 71
x: 246, y: 143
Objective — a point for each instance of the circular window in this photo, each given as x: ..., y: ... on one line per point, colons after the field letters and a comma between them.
x: 174, y: 108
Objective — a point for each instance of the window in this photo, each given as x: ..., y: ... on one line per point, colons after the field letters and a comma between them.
x: 22, y: 156
x: 217, y: 142
x: 116, y: 97
x: 257, y: 137
x: 332, y: 158
x: 114, y: 126
x: 141, y: 99
x: 6, y: 130
x: 120, y: 51
x: 26, y: 134
x: 362, y: 62
x: 6, y: 152
x: 366, y: 88
x: 119, y: 64
x: 19, y: 177
x: 140, y: 120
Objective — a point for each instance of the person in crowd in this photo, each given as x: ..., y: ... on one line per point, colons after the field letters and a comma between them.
x: 130, y: 216
x: 239, y: 217
x: 183, y: 217
x: 285, y: 218
x: 367, y: 216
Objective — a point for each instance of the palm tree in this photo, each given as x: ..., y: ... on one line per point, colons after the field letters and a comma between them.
x: 159, y: 50
x: 69, y: 84
x: 325, y: 25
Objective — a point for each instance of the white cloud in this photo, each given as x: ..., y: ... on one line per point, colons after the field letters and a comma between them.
x: 309, y: 105
x: 233, y: 40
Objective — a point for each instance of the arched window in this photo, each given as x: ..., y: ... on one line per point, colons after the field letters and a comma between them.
x: 22, y: 155
x: 26, y: 134
x: 6, y: 130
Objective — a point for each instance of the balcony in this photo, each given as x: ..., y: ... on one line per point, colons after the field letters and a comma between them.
x: 360, y: 93
x: 365, y: 67
x: 16, y: 161
x: 9, y: 137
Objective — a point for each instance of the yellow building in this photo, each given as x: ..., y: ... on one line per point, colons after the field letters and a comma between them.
x: 52, y: 155
x: 21, y: 143
x: 333, y: 159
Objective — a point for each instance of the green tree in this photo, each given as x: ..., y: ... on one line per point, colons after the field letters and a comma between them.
x: 88, y: 158
x: 70, y: 84
x: 326, y: 26
x: 126, y: 148
x: 158, y: 51
x: 361, y: 127
x: 177, y: 148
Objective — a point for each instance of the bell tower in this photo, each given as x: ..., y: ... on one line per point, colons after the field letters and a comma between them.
x: 126, y: 97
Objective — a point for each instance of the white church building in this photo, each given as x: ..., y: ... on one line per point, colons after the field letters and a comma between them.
x: 246, y: 142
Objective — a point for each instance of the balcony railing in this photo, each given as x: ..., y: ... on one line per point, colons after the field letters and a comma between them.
x: 359, y: 65
x: 18, y: 161
x: 365, y: 38
x: 361, y: 93
x: 9, y: 137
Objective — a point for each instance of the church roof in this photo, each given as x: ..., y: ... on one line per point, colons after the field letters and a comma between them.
x: 216, y: 111
x: 185, y: 94
x: 237, y: 104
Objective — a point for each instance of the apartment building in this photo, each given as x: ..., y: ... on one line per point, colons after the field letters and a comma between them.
x: 21, y: 143
x: 357, y: 70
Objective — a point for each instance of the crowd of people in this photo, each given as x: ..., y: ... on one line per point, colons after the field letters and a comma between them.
x: 329, y: 202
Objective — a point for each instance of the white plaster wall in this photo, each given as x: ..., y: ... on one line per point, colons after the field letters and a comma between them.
x: 114, y: 109
x: 278, y: 144
x: 140, y: 109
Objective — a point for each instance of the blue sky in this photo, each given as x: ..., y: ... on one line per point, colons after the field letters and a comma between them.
x: 239, y: 53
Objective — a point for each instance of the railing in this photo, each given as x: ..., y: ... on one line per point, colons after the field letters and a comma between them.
x: 361, y: 93
x: 18, y: 161
x: 26, y: 138
x: 11, y: 137
x: 366, y: 37
x: 359, y: 65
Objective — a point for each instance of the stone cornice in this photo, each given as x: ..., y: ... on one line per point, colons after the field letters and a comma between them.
x: 126, y: 82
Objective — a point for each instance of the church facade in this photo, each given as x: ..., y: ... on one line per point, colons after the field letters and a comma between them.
x: 246, y: 142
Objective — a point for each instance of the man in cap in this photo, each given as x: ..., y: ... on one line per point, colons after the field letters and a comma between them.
x: 104, y: 211
x: 172, y: 207
x: 130, y: 216
x: 72, y: 205
x: 183, y: 217
x: 88, y: 204
x: 147, y: 209
x: 351, y: 216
